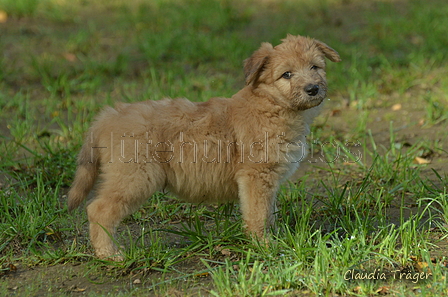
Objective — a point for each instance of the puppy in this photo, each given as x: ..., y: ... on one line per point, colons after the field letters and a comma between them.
x: 221, y: 150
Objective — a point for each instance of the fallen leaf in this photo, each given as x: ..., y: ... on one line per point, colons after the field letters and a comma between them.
x: 78, y: 289
x: 205, y: 274
x: 418, y: 160
x: 226, y: 252
x: 3, y: 16
x: 421, y: 265
x: 383, y: 290
x: 396, y: 107
x: 70, y: 57
x: 335, y: 112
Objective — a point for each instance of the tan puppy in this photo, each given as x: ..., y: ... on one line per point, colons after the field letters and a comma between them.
x: 216, y: 151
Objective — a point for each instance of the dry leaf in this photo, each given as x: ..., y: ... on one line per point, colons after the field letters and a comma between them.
x: 137, y: 281
x: 421, y: 265
x: 78, y: 289
x: 70, y: 57
x: 335, y: 112
x: 418, y: 160
x: 226, y: 252
x: 383, y: 290
x: 3, y: 16
x: 396, y: 107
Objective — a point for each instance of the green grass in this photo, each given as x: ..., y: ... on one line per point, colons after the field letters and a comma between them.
x: 364, y: 203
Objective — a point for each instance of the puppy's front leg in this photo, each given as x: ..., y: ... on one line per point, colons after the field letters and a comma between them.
x: 257, y: 193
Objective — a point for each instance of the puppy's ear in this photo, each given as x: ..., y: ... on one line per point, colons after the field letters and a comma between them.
x: 330, y: 53
x: 253, y: 66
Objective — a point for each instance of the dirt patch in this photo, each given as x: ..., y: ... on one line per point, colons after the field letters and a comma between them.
x: 85, y: 278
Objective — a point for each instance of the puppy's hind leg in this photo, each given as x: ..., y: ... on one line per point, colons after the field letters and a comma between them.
x: 118, y: 196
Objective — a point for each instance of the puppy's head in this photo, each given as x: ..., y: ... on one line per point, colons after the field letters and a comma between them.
x: 293, y: 72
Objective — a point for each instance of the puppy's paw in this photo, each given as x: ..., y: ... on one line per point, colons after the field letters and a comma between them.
x: 109, y: 255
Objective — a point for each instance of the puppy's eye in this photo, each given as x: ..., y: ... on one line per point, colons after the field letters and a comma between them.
x: 287, y: 75
x: 314, y: 67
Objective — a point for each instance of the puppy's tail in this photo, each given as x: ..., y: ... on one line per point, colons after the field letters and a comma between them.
x: 85, y: 177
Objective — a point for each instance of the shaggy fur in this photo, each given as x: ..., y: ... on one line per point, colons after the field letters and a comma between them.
x: 216, y: 151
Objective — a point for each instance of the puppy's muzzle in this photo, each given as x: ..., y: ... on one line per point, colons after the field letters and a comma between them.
x: 312, y: 89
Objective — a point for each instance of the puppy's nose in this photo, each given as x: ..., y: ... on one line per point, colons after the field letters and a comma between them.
x: 311, y: 89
